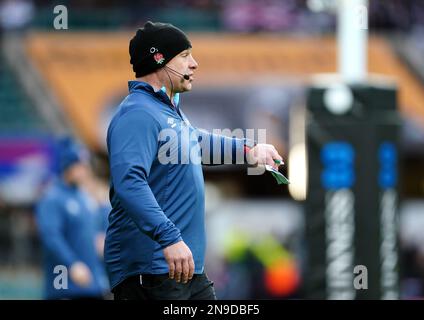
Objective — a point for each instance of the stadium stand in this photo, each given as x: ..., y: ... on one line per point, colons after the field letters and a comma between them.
x: 17, y: 111
x: 95, y: 63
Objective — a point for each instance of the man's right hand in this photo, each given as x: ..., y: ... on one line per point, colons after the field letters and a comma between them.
x: 180, y: 261
x: 80, y: 274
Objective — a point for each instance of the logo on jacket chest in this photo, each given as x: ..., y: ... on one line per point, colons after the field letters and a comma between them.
x: 171, y: 122
x: 72, y: 207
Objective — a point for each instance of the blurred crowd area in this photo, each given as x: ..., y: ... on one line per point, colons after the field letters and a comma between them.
x: 304, y: 16
x: 244, y: 262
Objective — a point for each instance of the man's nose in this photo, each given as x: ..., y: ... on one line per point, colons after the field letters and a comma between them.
x: 193, y: 64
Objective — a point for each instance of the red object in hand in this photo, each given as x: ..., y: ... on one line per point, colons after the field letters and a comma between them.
x: 246, y: 149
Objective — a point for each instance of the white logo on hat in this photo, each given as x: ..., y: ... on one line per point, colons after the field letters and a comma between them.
x: 153, y: 50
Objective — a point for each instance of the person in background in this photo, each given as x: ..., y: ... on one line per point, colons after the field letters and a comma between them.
x: 68, y: 221
x: 99, y: 191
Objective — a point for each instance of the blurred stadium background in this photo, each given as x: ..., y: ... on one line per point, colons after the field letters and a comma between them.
x: 256, y: 61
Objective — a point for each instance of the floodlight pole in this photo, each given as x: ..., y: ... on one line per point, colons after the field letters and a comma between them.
x: 352, y: 38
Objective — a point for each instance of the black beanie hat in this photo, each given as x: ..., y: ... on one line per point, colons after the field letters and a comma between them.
x: 154, y: 45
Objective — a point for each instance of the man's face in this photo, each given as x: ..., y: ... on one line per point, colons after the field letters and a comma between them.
x: 184, y: 63
x: 78, y: 173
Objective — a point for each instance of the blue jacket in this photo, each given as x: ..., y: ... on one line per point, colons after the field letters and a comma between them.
x: 67, y: 224
x: 157, y: 186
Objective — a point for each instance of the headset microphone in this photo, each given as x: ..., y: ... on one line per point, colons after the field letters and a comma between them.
x: 185, y: 76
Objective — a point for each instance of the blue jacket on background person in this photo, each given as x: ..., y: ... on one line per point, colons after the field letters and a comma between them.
x: 68, y: 223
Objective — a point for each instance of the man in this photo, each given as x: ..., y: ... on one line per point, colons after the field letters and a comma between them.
x: 155, y: 242
x: 69, y: 225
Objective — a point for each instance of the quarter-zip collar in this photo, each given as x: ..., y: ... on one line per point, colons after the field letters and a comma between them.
x: 135, y: 86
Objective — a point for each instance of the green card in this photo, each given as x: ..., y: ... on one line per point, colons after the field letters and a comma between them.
x: 281, y: 179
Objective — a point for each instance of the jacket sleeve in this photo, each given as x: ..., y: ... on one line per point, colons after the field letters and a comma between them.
x: 219, y: 149
x: 50, y: 223
x: 133, y: 146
